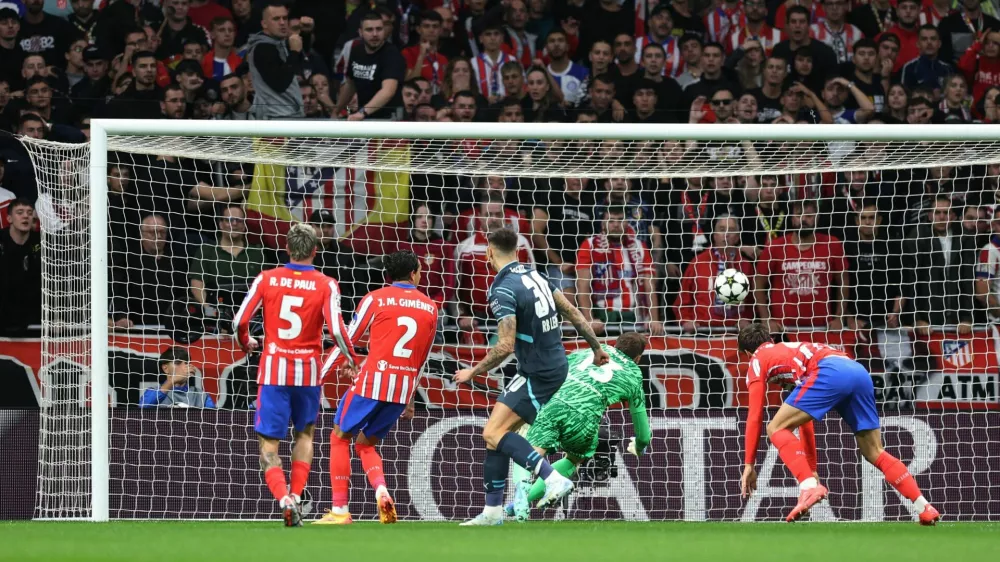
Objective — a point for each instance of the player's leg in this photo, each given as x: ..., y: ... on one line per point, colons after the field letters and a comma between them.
x: 349, y: 414
x: 305, y: 403
x: 576, y: 435
x: 859, y: 412
x: 271, y: 424
x: 502, y: 420
x: 377, y: 425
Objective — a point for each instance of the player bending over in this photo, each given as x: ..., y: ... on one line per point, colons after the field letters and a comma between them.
x: 401, y: 322
x: 822, y: 379
x: 571, y: 421
x: 528, y: 315
x: 297, y: 300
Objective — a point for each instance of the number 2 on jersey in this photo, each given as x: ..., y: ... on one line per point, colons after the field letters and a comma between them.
x: 411, y: 330
x: 544, y: 301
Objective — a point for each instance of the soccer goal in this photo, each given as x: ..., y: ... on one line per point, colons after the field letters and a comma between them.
x: 152, y: 231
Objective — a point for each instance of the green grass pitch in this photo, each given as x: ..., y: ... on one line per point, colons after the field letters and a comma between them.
x: 537, y: 541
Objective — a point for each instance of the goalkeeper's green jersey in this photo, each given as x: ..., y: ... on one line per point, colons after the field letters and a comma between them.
x: 589, y: 389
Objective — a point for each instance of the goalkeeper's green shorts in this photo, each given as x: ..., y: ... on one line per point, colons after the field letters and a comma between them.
x: 560, y: 428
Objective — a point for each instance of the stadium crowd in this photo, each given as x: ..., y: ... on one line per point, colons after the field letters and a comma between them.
x: 860, y: 250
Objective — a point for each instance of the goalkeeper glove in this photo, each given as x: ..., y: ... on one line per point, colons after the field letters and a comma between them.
x: 632, y: 449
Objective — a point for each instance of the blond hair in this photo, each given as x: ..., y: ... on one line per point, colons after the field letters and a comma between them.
x: 302, y: 240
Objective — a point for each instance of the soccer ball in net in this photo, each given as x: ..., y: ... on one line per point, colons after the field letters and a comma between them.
x: 732, y: 286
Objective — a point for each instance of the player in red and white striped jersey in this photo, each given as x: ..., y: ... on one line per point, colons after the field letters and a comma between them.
x: 297, y: 301
x: 402, y: 323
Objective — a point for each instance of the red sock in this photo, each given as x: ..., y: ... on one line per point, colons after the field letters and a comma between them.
x: 300, y: 474
x: 372, y: 463
x: 340, y: 469
x: 898, y: 476
x: 790, y: 450
x: 275, y: 478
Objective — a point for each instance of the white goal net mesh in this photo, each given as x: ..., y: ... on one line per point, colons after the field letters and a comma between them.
x: 889, y: 250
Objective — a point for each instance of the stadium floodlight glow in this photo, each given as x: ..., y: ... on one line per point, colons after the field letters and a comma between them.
x: 102, y: 458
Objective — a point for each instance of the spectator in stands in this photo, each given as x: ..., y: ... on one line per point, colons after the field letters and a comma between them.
x: 754, y: 26
x: 178, y: 29
x: 310, y: 105
x: 961, y: 28
x: 139, y: 99
x: 800, y: 277
x: 38, y: 100
x: 375, y: 74
x: 602, y: 97
x: 34, y: 65
x: 561, y: 220
x: 746, y: 109
x: 765, y: 218
x: 11, y: 53
x: 713, y: 74
x: 84, y: 19
x: 797, y: 29
x: 932, y: 267
x: 927, y: 70
x: 147, y: 281
x: 172, y: 103
x: 517, y: 41
x: 769, y: 94
x: 45, y: 34
x: 834, y: 30
x: 875, y: 19
x: 568, y: 75
x: 919, y: 111
x: 864, y: 77
x: 981, y: 64
x: 486, y: 66
x: 90, y: 92
x: 644, y: 103
x: 600, y: 58
x: 907, y: 30
x: 626, y: 63
x: 849, y: 200
x: 668, y: 92
x: 543, y: 103
x: 74, y: 61
x: 437, y: 257
x: 222, y: 60
x: 21, y: 263
x: 473, y: 275
x: 204, y: 12
x: 424, y: 59
x: 614, y: 277
x: 220, y: 273
x: 697, y: 304
x: 956, y: 105
x: 510, y: 112
x: 425, y: 113
x: 750, y: 69
x: 835, y: 95
x: 178, y: 383
x: 457, y: 78
x: 234, y: 96
x: 336, y: 259
x: 275, y: 58
x: 988, y: 271
x: 512, y: 75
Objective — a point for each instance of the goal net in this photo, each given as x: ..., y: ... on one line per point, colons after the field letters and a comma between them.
x: 879, y: 240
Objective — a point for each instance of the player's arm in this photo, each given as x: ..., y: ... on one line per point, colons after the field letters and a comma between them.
x: 335, y: 320
x: 576, y: 318
x: 640, y: 423
x: 241, y: 322
x: 755, y: 418
x: 506, y: 333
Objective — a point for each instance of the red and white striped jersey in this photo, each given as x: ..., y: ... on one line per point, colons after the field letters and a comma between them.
x: 929, y: 15
x: 674, y: 65
x: 402, y: 323
x: 340, y: 64
x: 988, y: 266
x: 486, y: 73
x: 842, y: 42
x: 520, y: 45
x: 297, y: 301
x: 721, y: 21
x: 766, y: 35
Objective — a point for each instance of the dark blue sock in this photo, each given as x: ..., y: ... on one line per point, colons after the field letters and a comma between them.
x: 495, y: 476
x: 521, y: 452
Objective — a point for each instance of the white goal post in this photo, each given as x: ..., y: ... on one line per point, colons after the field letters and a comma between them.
x: 700, y: 445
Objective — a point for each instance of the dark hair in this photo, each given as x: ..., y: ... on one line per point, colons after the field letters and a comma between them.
x: 919, y: 100
x: 25, y: 117
x: 35, y: 80
x: 632, y: 344
x: 411, y: 84
x: 230, y: 76
x: 688, y: 37
x: 752, y: 337
x: 143, y: 55
x: 604, y: 78
x: 511, y: 66
x: 588, y: 111
x: 714, y: 44
x: 371, y: 15
x: 170, y: 88
x: 429, y: 15
x: 656, y: 46
x: 399, y: 266
x: 804, y: 52
x: 797, y: 10
x: 173, y: 354
x: 219, y: 20
x: 503, y: 239
x: 616, y: 210
x: 556, y: 31
x: 19, y: 202
x: 929, y: 27
x: 509, y: 101
x: 605, y: 41
x: 465, y: 94
x: 862, y: 43
x: 891, y: 37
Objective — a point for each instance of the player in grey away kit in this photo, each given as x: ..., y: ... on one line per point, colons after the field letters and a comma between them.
x: 528, y: 313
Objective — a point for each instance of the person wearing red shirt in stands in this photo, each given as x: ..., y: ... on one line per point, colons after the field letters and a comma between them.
x: 437, y: 257
x: 489, y: 187
x: 202, y: 12
x: 981, y: 64
x: 473, y: 273
x: 698, y: 304
x: 821, y: 379
x: 423, y: 59
x: 801, y: 277
x: 907, y: 30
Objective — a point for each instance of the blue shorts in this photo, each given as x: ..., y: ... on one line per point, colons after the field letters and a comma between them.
x: 276, y: 405
x: 526, y: 396
x: 357, y: 414
x: 843, y: 385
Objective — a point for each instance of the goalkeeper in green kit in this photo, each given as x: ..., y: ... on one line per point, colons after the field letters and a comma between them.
x: 572, y: 418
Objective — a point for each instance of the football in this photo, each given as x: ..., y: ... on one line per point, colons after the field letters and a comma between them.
x: 732, y: 286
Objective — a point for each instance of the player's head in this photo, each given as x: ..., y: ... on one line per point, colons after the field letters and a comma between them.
x: 301, y: 243
x: 501, y: 247
x: 632, y: 344
x: 402, y: 267
x: 752, y: 337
